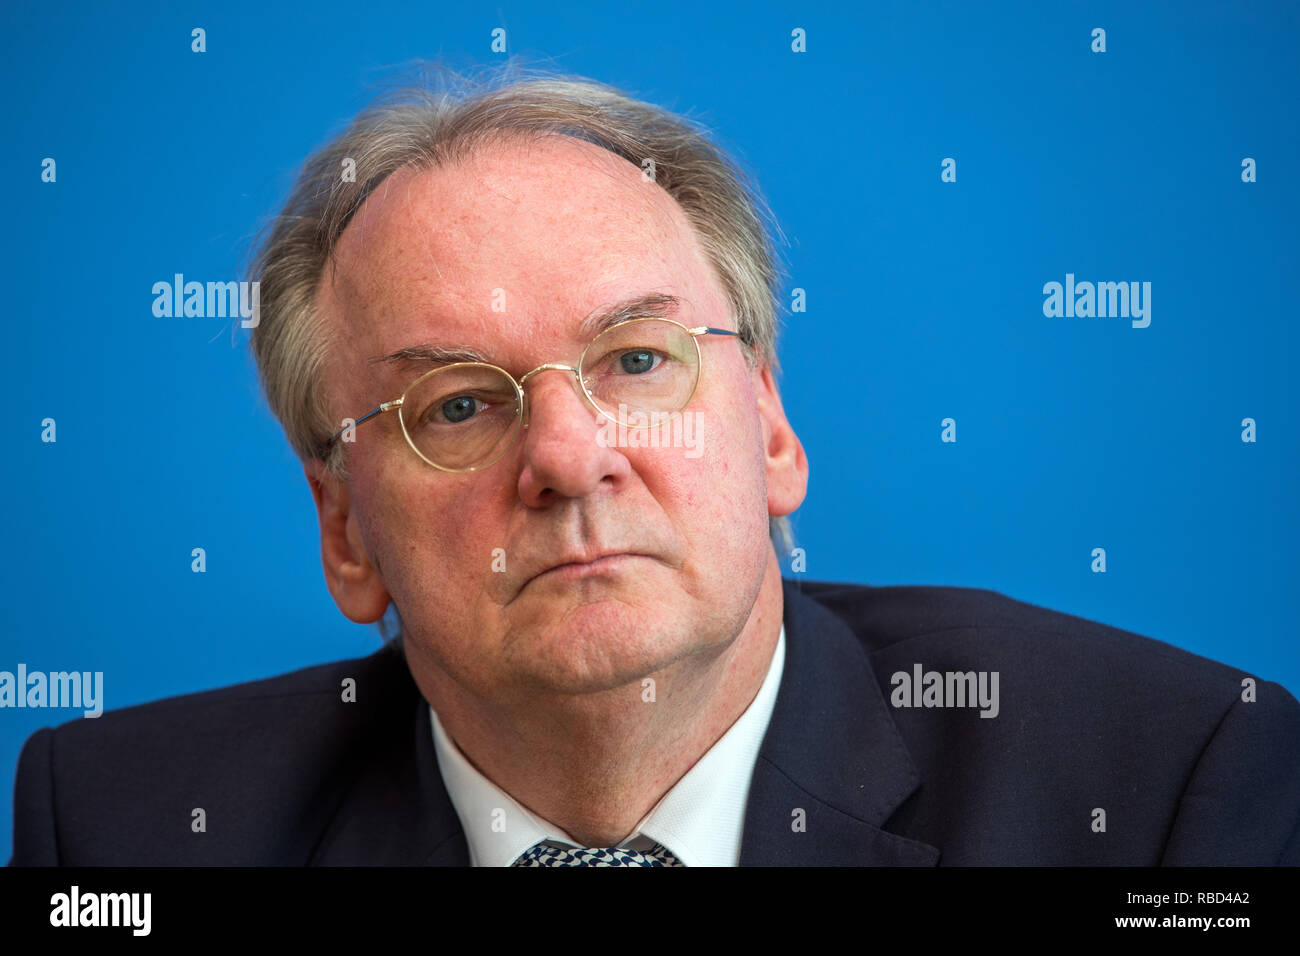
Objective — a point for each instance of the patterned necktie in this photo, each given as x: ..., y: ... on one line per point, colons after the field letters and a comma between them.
x: 545, y: 855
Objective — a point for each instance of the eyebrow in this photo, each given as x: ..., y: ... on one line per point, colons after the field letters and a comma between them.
x: 646, y: 305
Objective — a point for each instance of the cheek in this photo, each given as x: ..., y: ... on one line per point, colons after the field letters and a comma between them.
x: 420, y: 532
x: 736, y: 432
x: 726, y: 485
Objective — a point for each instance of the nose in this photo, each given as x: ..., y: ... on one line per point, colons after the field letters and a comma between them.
x: 561, y: 456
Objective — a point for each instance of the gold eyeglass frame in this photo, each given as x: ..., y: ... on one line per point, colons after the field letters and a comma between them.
x: 521, y: 397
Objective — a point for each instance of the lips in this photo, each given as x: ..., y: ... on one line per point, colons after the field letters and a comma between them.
x: 576, y: 568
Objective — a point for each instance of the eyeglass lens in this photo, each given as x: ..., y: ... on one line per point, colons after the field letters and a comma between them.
x: 464, y: 417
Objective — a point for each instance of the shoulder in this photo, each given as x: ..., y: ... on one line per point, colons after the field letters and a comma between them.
x: 1193, y: 761
x: 265, y: 712
x: 134, y: 784
x: 965, y: 626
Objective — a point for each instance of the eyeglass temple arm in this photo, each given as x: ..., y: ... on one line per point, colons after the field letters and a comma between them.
x: 386, y: 406
x: 710, y: 330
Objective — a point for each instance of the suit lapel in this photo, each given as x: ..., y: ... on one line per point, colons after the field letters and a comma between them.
x: 397, y: 812
x: 831, y: 751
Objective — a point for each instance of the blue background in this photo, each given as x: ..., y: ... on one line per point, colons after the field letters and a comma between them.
x: 924, y: 302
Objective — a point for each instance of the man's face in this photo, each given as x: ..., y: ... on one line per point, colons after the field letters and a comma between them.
x: 554, y: 230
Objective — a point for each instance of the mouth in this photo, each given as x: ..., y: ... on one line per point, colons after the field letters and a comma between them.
x: 606, y: 564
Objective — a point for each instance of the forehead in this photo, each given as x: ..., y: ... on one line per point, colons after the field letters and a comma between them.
x: 523, y: 238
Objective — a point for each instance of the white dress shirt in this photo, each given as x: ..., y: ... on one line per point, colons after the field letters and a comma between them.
x: 700, y: 820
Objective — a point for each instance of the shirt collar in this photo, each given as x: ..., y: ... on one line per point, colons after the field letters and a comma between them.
x: 701, y: 819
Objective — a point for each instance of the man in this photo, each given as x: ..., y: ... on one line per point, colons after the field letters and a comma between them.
x: 489, y: 326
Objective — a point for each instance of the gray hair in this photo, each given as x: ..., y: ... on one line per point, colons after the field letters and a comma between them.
x: 445, y: 116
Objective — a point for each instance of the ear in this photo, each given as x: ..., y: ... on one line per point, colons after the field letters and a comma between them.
x: 787, y: 465
x: 353, y: 579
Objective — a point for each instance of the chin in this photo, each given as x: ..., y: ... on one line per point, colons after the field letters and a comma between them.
x: 591, y: 643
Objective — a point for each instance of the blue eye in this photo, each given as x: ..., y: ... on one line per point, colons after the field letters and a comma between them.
x: 637, y: 361
x: 459, y: 408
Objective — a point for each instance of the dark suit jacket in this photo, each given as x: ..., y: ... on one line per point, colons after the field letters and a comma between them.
x: 1090, y: 717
